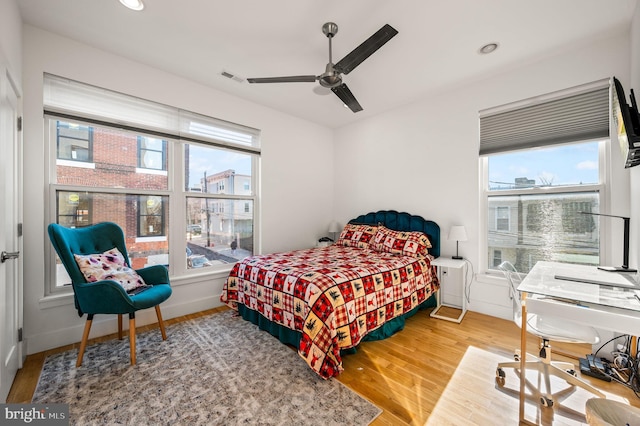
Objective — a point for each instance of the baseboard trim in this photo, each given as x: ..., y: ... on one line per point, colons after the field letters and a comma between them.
x: 107, y: 324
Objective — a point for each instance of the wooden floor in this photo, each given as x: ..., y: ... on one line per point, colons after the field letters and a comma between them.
x: 403, y: 375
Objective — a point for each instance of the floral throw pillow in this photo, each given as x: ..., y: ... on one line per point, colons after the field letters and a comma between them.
x: 410, y: 243
x: 109, y: 265
x: 357, y: 235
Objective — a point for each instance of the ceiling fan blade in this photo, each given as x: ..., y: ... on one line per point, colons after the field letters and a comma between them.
x: 366, y: 49
x: 290, y: 79
x: 347, y: 97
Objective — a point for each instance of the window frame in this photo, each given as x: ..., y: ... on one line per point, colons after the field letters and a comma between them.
x: 139, y: 217
x: 89, y: 160
x: 163, y: 153
x: 497, y: 255
x: 89, y: 209
x: 176, y: 192
x: 575, y: 114
x: 218, y: 199
x: 508, y: 218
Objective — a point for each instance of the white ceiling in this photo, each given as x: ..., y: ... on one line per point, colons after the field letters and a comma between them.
x: 435, y: 50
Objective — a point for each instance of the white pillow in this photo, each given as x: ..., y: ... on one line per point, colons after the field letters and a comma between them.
x: 109, y: 265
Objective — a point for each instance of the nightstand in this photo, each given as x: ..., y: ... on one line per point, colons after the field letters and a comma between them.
x: 453, y: 287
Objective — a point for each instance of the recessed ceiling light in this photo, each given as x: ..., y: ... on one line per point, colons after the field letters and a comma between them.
x: 133, y: 4
x: 488, y: 48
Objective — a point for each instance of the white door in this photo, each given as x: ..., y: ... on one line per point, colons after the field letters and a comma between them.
x: 10, y: 240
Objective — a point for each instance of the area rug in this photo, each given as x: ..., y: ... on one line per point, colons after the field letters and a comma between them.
x: 473, y: 398
x: 214, y: 370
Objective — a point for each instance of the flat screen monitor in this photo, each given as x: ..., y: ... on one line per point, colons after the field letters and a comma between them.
x: 627, y: 124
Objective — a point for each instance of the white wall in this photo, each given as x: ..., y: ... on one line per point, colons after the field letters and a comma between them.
x: 423, y: 158
x: 11, y: 38
x: 296, y: 193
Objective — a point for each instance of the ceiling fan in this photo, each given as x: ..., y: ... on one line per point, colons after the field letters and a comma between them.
x: 332, y: 76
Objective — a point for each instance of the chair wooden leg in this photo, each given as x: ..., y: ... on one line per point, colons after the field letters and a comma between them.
x: 85, y: 337
x: 132, y: 337
x: 161, y: 323
x: 119, y: 327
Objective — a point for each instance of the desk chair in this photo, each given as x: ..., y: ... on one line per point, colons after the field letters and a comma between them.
x: 107, y: 296
x: 546, y: 328
x: 605, y: 412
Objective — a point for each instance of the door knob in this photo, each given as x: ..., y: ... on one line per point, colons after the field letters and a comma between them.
x: 4, y: 256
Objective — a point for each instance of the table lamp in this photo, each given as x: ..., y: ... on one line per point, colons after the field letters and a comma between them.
x: 457, y: 233
x: 334, y: 228
x: 625, y: 246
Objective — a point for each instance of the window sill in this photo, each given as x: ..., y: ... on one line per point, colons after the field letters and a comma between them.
x: 161, y: 238
x: 491, y: 278
x: 55, y: 300
x: 151, y: 171
x: 66, y: 298
x: 76, y: 163
x: 192, y: 278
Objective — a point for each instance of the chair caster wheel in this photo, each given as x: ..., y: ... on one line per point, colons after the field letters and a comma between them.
x: 546, y: 402
x: 500, y: 377
x: 516, y: 357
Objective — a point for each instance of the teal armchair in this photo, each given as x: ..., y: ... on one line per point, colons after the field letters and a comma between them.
x: 107, y: 297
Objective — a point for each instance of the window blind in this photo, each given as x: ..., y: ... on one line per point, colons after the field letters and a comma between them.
x: 570, y: 118
x: 71, y: 99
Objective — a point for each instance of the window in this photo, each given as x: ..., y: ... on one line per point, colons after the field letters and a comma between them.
x: 74, y: 209
x: 549, y: 226
x: 150, y: 216
x: 497, y: 258
x: 543, y: 166
x: 226, y: 214
x: 502, y: 218
x: 74, y: 142
x: 152, y: 153
x: 156, y: 171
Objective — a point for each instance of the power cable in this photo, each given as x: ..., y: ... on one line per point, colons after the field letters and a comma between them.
x: 623, y: 368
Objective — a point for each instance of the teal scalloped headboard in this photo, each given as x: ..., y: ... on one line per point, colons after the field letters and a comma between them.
x: 401, y: 221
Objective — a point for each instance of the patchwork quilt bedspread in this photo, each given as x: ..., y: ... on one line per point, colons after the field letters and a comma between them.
x: 333, y: 295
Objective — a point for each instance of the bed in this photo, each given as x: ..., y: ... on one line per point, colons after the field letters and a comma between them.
x: 325, y: 301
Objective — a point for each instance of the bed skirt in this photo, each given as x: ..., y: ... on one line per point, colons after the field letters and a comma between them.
x: 291, y: 337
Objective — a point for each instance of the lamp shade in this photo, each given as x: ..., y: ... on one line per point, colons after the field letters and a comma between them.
x: 334, y: 227
x: 458, y: 233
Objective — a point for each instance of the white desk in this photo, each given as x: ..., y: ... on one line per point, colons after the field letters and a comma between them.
x: 604, y: 307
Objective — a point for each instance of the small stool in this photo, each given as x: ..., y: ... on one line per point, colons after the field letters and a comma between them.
x: 604, y: 412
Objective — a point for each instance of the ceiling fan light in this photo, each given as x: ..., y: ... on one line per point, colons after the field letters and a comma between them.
x: 133, y: 4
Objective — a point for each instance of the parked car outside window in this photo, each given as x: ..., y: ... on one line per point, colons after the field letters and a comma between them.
x: 194, y: 229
